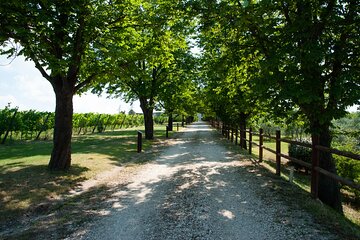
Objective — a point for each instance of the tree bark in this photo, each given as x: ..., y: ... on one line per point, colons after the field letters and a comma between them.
x: 170, y: 121
x: 329, y: 189
x: 148, y: 118
x: 61, y: 153
x: 242, y: 123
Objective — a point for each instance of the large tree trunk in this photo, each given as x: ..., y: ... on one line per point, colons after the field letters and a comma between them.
x: 61, y: 153
x: 148, y: 119
x: 329, y: 190
x: 170, y: 121
x: 149, y: 124
x: 242, y: 122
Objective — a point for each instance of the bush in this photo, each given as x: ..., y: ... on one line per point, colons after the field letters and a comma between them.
x: 350, y: 169
x: 160, y: 119
x: 301, y: 153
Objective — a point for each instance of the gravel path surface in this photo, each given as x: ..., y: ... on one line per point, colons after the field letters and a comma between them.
x: 198, y: 189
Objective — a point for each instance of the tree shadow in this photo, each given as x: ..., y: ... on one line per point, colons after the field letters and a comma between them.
x: 25, y: 185
x: 24, y: 149
x: 24, y: 188
x: 190, y: 197
x: 197, y: 191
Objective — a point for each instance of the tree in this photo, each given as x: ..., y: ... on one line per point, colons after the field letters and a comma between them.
x: 309, y: 59
x: 178, y: 92
x: 150, y: 40
x: 58, y: 36
x: 229, y: 74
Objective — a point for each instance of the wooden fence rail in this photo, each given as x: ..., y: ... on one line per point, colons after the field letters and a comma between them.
x: 229, y: 133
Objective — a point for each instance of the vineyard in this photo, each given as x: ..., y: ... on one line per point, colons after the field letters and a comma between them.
x: 35, y: 125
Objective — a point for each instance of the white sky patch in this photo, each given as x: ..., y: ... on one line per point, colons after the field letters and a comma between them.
x: 92, y: 103
x: 353, y: 108
x: 22, y: 85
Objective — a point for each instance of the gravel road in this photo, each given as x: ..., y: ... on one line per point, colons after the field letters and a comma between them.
x: 198, y: 189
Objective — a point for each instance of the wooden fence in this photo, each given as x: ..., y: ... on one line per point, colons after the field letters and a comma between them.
x: 232, y: 134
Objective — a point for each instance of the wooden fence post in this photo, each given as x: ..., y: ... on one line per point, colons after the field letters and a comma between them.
x: 278, y: 152
x: 236, y: 135
x: 250, y: 140
x: 232, y: 134
x: 177, y: 127
x: 240, y: 135
x: 261, y: 142
x: 228, y: 132
x: 139, y: 141
x: 315, y: 163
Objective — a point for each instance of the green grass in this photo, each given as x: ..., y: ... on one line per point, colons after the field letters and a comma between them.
x: 25, y: 180
x: 301, y: 179
x: 298, y: 194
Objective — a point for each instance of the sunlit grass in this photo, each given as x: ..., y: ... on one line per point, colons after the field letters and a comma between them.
x: 25, y: 180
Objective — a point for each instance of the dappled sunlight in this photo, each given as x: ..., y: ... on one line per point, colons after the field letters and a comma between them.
x: 117, y: 205
x: 227, y: 214
x: 199, y: 127
x: 143, y: 194
x: 168, y: 157
x: 30, y: 185
x: 191, y: 169
x: 104, y: 213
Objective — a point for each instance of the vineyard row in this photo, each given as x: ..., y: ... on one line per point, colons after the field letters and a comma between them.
x: 31, y: 124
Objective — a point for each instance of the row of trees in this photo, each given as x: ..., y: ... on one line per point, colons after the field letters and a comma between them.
x: 137, y: 49
x: 259, y: 58
x: 291, y: 58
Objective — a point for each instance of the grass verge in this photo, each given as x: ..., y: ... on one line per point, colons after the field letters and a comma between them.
x: 25, y: 181
x: 346, y: 226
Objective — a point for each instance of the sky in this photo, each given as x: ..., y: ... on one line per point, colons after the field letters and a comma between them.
x: 22, y: 85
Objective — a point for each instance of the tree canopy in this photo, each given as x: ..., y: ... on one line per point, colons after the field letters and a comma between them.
x: 285, y: 58
x: 307, y: 54
x: 59, y: 37
x: 146, y: 63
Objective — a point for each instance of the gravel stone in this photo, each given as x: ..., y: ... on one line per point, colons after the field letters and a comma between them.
x: 198, y: 189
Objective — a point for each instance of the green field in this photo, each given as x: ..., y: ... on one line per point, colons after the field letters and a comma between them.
x: 25, y: 180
